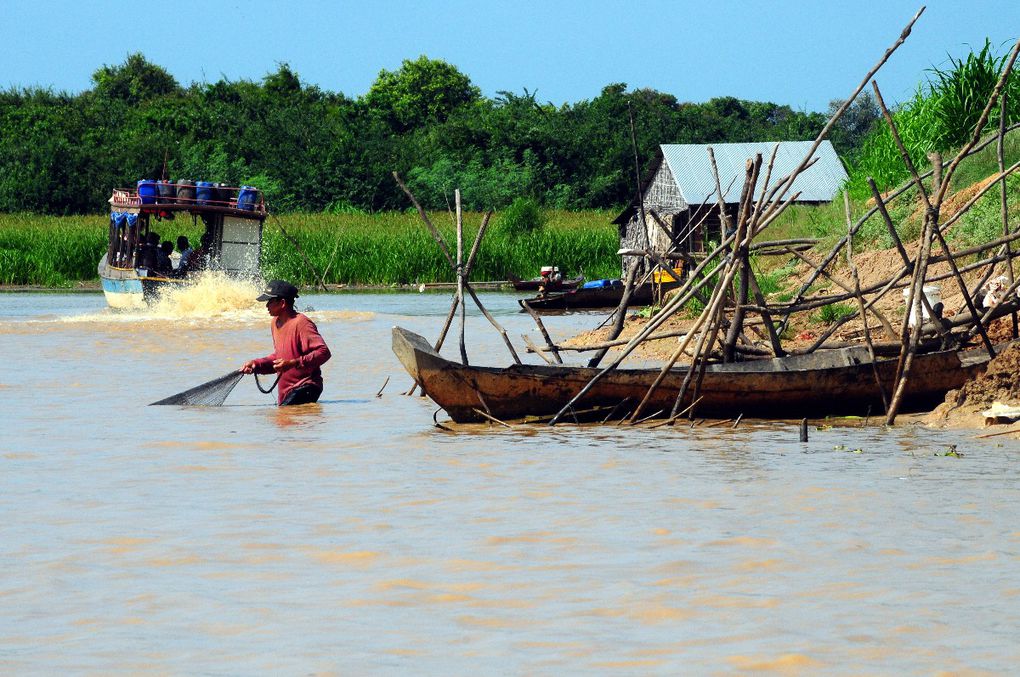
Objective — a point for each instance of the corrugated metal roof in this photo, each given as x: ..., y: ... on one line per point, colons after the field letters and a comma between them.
x: 692, y: 169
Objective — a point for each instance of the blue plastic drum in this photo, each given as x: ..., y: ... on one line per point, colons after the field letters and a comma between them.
x: 247, y: 197
x: 147, y: 191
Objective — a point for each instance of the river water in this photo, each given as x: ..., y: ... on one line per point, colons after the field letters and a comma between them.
x: 355, y: 537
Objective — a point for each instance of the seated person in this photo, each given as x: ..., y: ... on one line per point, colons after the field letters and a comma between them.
x: 163, y: 263
x: 184, y: 247
x: 147, y: 251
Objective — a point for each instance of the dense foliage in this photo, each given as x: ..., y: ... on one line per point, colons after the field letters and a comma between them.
x: 314, y: 150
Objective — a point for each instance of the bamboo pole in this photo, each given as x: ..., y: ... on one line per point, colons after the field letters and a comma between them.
x: 933, y: 212
x: 621, y: 312
x: 460, y: 274
x: 854, y: 291
x: 541, y: 328
x: 914, y: 307
x: 1003, y: 201
x: 751, y: 168
x: 860, y: 303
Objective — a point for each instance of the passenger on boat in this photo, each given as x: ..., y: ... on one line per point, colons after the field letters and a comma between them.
x: 199, y: 259
x: 147, y: 251
x: 298, y: 349
x: 184, y: 247
x: 545, y: 280
x: 164, y: 265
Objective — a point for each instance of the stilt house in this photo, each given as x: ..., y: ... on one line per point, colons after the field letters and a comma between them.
x: 679, y: 190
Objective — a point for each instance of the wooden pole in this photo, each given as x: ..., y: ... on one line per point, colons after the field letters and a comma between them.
x: 1003, y: 200
x: 860, y: 303
x: 541, y: 328
x: 933, y: 210
x: 460, y: 274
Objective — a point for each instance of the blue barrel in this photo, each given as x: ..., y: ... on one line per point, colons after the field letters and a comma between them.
x: 147, y: 191
x: 167, y: 191
x: 247, y: 197
x: 185, y: 191
x: 205, y: 192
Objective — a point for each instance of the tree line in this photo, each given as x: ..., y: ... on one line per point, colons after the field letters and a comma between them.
x: 315, y: 150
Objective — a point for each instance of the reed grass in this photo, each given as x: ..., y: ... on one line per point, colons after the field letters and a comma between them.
x: 389, y: 248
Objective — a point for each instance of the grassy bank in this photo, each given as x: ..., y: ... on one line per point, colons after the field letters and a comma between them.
x: 378, y: 249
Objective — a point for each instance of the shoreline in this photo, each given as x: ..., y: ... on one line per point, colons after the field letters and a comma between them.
x: 96, y: 287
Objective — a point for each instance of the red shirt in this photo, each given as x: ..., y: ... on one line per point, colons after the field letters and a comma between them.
x: 298, y: 339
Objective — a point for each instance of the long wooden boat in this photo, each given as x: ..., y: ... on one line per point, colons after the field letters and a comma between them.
x: 825, y: 383
x: 231, y: 219
x: 535, y: 283
x: 608, y: 296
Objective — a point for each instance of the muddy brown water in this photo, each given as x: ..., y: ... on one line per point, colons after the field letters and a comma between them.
x: 354, y: 537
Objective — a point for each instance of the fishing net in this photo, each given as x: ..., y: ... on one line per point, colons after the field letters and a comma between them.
x: 210, y: 394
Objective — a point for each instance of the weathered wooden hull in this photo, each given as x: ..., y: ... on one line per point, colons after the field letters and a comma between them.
x: 829, y: 383
x: 597, y: 297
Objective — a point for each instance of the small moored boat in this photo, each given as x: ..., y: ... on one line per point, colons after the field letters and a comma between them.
x: 599, y: 294
x: 231, y: 220
x: 549, y: 280
x: 824, y: 383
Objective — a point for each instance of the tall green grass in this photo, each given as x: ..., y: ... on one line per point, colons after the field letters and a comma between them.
x: 379, y: 249
x: 942, y: 116
x: 50, y: 251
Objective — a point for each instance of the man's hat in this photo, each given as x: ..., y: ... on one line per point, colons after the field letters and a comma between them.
x: 278, y: 289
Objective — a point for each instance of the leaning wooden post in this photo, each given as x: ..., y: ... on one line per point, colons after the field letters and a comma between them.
x: 541, y: 328
x: 910, y: 342
x: 621, y: 313
x: 741, y: 255
x: 1003, y: 200
x: 860, y: 301
x: 938, y: 183
x: 460, y: 274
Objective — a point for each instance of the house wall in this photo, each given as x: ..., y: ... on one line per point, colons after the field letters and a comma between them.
x: 662, y: 196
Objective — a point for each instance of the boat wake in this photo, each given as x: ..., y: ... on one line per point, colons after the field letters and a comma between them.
x: 212, y: 299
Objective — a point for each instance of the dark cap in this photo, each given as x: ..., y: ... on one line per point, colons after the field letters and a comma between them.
x: 278, y: 289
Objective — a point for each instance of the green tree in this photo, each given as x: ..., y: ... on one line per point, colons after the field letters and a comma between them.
x: 420, y: 92
x: 134, y: 81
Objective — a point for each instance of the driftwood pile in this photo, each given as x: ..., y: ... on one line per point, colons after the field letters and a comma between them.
x: 725, y: 282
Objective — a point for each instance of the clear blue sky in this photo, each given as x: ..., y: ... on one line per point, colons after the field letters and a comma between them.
x: 797, y: 52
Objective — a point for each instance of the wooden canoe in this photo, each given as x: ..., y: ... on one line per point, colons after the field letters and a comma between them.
x: 597, y: 297
x: 825, y: 383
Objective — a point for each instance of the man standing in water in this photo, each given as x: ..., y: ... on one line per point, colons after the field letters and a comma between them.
x: 298, y: 349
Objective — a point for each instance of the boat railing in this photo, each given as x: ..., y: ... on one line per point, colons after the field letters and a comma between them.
x: 156, y: 196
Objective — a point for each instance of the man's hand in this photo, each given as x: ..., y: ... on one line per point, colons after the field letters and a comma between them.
x: 282, y: 365
x: 248, y: 367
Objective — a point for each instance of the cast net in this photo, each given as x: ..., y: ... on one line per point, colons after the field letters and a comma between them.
x: 210, y: 394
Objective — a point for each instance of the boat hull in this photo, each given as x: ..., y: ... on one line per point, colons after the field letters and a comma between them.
x: 833, y: 383
x: 125, y: 289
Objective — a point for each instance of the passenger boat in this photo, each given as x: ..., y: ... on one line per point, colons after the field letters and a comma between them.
x: 231, y: 220
x: 824, y: 383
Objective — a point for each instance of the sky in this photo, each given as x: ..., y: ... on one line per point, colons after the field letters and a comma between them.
x: 799, y: 53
